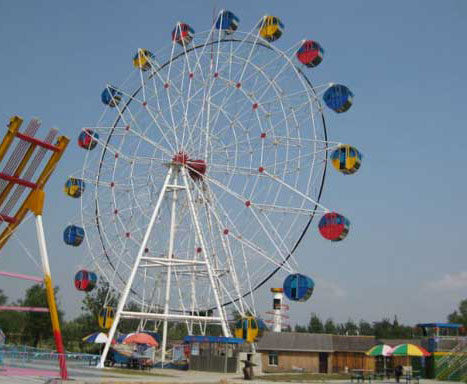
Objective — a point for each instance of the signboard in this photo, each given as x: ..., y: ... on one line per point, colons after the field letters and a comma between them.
x: 195, y: 349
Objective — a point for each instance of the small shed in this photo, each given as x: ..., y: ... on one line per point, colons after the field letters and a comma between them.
x: 315, y: 353
x: 213, y: 353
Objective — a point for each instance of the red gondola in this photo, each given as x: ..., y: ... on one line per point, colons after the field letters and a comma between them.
x: 182, y: 34
x: 85, y: 281
x: 310, y: 53
x: 334, y: 226
x: 88, y: 139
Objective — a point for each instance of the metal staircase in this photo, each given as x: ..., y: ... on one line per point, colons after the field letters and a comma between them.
x: 453, y: 366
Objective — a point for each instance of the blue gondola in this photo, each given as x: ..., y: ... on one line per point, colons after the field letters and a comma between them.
x: 111, y: 96
x: 338, y: 97
x: 227, y: 22
x: 73, y: 235
x: 298, y: 287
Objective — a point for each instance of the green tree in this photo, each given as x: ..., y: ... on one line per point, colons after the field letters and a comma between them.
x: 37, y: 327
x: 459, y: 315
x: 315, y: 325
x: 383, y: 329
x: 350, y: 328
x: 301, y: 329
x: 365, y: 328
x: 330, y: 327
x: 11, y: 323
x: 3, y: 298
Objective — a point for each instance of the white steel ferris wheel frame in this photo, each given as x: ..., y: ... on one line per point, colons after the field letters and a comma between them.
x: 177, y: 184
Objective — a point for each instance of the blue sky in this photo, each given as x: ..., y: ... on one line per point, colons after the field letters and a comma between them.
x: 405, y: 63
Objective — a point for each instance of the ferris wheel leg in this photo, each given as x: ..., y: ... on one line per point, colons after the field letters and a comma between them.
x: 199, y: 235
x: 169, y: 270
x: 129, y: 283
x: 51, y: 297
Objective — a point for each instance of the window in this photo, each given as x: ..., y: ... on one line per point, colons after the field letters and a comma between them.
x: 276, y: 303
x: 253, y: 324
x: 273, y: 359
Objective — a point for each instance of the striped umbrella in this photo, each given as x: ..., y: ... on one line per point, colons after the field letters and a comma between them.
x: 97, y: 338
x: 409, y: 350
x: 379, y: 350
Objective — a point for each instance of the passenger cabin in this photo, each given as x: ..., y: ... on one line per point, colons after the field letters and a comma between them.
x: 249, y: 329
x: 270, y: 28
x: 106, y: 317
x: 338, y: 97
x: 227, y: 22
x: 310, y: 53
x: 85, y: 280
x: 334, y: 226
x: 298, y: 287
x: 73, y: 235
x: 87, y: 139
x: 183, y: 34
x: 74, y: 187
x: 111, y: 96
x: 346, y: 159
x: 142, y: 59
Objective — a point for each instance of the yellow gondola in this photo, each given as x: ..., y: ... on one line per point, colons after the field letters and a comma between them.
x: 106, y: 317
x: 142, y: 59
x: 247, y: 329
x: 270, y: 28
x: 74, y: 187
x: 346, y: 159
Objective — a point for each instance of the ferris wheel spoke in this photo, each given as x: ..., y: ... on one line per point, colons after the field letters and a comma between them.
x: 260, y: 225
x: 239, y: 236
x: 220, y: 226
x: 132, y: 122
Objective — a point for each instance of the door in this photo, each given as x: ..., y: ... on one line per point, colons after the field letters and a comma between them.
x: 323, y: 362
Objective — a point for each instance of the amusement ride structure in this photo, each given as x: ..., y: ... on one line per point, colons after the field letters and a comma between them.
x: 27, y: 157
x: 204, y: 173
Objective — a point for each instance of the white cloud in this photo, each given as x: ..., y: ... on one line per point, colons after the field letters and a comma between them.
x: 328, y: 289
x: 450, y: 282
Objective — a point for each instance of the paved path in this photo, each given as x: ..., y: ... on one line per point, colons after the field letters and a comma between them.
x: 46, y: 372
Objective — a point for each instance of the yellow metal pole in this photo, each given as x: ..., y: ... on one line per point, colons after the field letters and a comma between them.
x: 13, y: 128
x: 39, y: 201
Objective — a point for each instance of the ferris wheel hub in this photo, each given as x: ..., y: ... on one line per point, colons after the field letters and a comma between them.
x: 196, y: 168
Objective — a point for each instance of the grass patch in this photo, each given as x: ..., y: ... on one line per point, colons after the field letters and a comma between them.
x: 293, y: 377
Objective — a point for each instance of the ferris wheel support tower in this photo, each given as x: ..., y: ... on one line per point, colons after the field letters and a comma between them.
x: 278, y: 294
x: 171, y: 184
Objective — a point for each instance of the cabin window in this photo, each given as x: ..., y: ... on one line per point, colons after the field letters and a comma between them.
x: 253, y: 324
x: 273, y: 359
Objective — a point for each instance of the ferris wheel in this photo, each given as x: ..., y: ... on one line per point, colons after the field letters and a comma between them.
x: 205, y: 171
